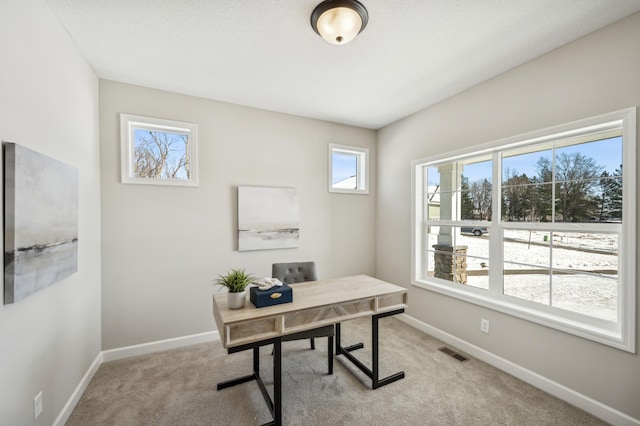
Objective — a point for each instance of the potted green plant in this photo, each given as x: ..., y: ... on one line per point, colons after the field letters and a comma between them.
x: 236, y: 281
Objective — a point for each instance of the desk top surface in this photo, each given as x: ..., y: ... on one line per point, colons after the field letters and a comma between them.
x: 309, y: 295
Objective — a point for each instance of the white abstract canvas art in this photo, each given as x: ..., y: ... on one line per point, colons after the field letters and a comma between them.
x: 268, y: 218
x: 40, y: 221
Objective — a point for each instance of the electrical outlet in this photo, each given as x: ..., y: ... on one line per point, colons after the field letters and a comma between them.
x: 484, y: 325
x: 37, y: 405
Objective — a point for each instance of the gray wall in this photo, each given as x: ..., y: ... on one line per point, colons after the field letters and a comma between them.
x: 49, y: 103
x: 162, y: 246
x: 594, y: 75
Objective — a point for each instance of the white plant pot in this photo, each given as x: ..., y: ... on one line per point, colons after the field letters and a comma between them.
x: 236, y: 300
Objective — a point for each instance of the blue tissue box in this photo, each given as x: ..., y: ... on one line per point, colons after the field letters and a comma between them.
x: 274, y: 296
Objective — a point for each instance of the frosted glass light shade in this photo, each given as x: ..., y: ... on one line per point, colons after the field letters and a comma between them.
x: 339, y: 25
x: 339, y: 21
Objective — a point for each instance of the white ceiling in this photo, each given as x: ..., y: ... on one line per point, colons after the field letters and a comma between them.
x: 264, y: 53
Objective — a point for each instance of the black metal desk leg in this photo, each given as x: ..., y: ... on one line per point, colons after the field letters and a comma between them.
x: 330, y: 353
x: 376, y: 381
x: 374, y: 351
x: 275, y: 406
x: 374, y: 372
x: 277, y: 383
x: 256, y: 360
x: 344, y: 351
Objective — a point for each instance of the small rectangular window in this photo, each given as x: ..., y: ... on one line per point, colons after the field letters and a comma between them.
x: 157, y: 151
x: 348, y: 169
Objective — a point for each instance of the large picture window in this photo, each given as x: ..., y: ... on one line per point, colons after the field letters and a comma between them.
x: 540, y: 226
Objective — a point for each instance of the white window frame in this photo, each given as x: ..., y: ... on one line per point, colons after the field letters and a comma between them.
x: 129, y: 123
x: 362, y: 168
x: 622, y: 334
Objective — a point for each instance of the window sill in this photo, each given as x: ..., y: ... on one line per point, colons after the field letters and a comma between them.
x: 349, y: 191
x: 601, y: 334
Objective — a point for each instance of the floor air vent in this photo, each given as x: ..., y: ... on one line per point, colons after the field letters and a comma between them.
x: 453, y: 354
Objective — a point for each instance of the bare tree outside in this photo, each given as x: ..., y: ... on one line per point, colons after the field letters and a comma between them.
x: 480, y: 193
x: 162, y: 155
x: 610, y: 198
x: 576, y: 177
x: 516, y: 196
x: 584, y: 192
x: 573, y: 188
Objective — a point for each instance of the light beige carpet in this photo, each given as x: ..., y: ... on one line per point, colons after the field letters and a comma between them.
x: 178, y: 387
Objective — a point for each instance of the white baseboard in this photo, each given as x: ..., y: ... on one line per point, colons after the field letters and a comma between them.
x: 160, y: 345
x: 590, y: 405
x: 577, y: 399
x: 126, y: 352
x: 77, y: 393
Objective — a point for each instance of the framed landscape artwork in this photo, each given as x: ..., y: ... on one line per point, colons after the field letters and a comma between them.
x: 268, y: 218
x: 40, y: 221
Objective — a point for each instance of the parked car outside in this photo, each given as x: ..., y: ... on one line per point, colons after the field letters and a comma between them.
x: 475, y: 230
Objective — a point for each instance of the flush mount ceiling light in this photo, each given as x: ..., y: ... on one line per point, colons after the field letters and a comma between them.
x: 339, y: 21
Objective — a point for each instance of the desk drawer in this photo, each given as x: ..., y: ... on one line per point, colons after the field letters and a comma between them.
x: 337, y: 312
x: 254, y: 330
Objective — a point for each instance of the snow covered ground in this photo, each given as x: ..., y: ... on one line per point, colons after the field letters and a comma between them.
x: 585, y: 269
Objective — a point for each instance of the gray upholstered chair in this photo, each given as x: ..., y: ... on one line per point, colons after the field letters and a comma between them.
x: 299, y: 272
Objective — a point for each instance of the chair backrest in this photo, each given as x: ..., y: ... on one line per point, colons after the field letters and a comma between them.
x: 295, y: 272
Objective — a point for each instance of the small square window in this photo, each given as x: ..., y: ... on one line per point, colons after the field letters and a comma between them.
x: 348, y: 169
x: 158, y: 152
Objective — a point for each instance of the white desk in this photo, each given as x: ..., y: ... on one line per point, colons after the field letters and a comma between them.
x: 315, y: 304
